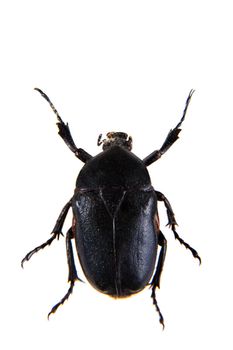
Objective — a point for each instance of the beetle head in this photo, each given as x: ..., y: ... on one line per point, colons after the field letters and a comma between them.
x: 116, y: 139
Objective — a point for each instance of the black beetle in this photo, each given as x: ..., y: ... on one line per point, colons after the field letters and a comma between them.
x: 115, y: 217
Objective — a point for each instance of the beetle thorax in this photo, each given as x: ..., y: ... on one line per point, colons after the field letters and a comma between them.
x: 116, y: 139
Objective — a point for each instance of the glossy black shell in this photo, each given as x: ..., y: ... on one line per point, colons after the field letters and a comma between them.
x: 114, y: 210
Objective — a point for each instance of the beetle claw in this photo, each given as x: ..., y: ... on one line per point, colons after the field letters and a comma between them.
x: 58, y: 234
x: 171, y: 221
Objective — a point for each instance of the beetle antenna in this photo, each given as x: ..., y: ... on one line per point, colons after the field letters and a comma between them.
x: 99, y: 141
x: 50, y: 103
x: 185, y: 108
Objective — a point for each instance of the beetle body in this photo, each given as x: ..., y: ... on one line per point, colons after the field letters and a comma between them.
x: 114, y: 208
x: 115, y: 217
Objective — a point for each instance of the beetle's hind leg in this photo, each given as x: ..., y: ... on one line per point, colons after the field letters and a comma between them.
x: 172, y: 224
x: 73, y: 276
x: 155, y: 283
x: 56, y: 232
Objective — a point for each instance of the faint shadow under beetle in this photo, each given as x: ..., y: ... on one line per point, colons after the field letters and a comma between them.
x: 115, y: 217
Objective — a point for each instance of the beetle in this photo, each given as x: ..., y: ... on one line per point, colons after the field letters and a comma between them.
x: 115, y: 217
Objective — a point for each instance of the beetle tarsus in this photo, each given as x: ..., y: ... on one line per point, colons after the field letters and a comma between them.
x: 42, y: 246
x: 171, y: 138
x: 161, y: 319
x: 64, y: 132
x: 155, y: 283
x: 55, y: 307
x: 187, y: 246
x: 56, y: 232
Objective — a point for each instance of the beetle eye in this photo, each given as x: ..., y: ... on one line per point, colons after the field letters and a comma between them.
x: 129, y: 143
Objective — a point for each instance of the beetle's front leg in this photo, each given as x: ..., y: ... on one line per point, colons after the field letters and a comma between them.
x: 172, y: 224
x: 170, y: 139
x: 56, y: 232
x: 65, y: 134
x: 73, y: 276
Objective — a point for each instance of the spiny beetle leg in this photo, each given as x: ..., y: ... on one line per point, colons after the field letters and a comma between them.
x: 55, y: 307
x: 172, y: 224
x: 170, y: 212
x: 162, y: 255
x: 155, y: 283
x: 187, y: 246
x: 153, y: 296
x: 42, y: 246
x: 56, y: 232
x: 61, y: 218
x: 72, y: 276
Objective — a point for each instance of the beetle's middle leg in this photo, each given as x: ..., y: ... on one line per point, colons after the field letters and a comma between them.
x: 155, y: 283
x: 56, y: 232
x: 72, y: 276
x: 172, y: 224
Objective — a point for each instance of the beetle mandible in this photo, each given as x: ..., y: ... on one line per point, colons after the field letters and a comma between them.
x: 115, y: 217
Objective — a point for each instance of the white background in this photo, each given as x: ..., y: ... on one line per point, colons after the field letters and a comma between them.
x: 128, y: 66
